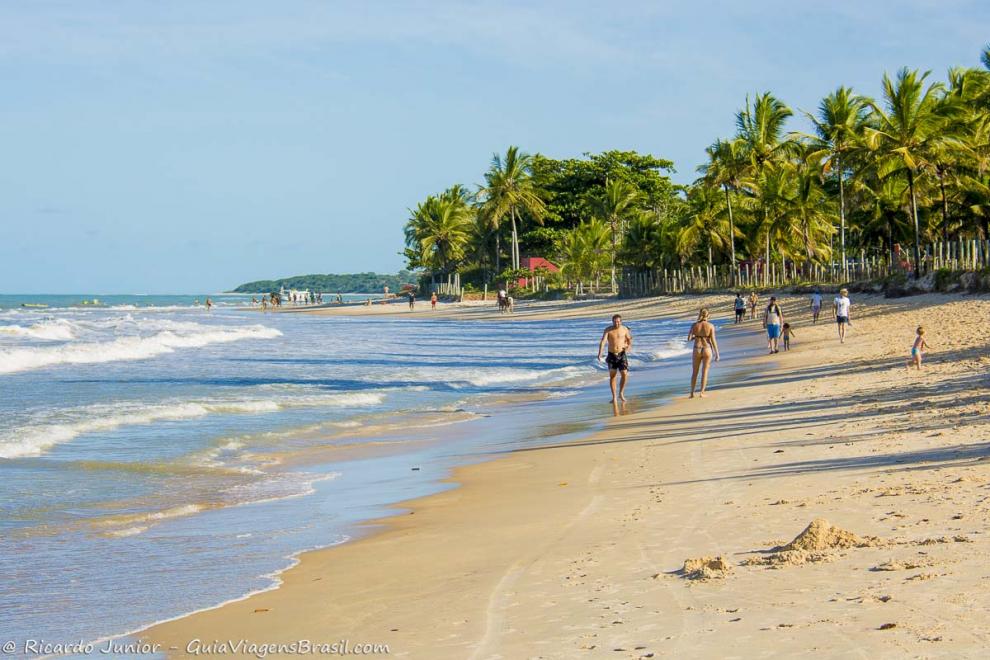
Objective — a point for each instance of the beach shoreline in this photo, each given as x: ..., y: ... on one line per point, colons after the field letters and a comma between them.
x: 512, y: 561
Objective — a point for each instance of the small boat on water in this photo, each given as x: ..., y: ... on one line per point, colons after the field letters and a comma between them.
x: 34, y: 305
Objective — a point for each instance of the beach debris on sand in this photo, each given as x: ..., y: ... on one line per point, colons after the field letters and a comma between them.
x: 706, y: 568
x: 820, y: 541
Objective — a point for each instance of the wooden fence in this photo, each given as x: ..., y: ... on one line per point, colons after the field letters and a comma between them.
x: 452, y: 287
x: 962, y: 255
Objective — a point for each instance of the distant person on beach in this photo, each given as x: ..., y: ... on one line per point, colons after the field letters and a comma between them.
x: 619, y: 340
x: 702, y: 333
x: 209, y: 304
x: 786, y: 332
x: 254, y: 301
x: 772, y: 319
x: 816, y: 305
x: 264, y: 303
x: 754, y: 301
x: 840, y: 308
x: 740, y: 306
x: 433, y: 301
x: 503, y: 301
x: 919, y: 348
x: 412, y: 301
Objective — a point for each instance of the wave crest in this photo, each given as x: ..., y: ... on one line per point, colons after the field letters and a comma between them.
x: 126, y: 348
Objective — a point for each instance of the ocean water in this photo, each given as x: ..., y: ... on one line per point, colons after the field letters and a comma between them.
x: 157, y: 459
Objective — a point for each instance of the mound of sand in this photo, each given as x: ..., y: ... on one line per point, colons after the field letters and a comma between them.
x: 706, y: 568
x: 819, y: 541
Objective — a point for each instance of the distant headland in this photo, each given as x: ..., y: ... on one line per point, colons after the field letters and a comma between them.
x: 347, y: 283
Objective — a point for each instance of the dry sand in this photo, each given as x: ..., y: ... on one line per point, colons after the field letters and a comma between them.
x: 832, y: 502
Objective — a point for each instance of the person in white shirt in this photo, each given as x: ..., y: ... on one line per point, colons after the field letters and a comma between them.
x: 816, y: 305
x: 840, y: 307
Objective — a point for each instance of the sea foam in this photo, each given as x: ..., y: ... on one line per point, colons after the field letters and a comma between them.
x: 36, y: 439
x: 56, y: 330
x: 127, y: 348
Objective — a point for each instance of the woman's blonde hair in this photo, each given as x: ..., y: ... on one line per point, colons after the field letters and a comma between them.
x: 703, y: 314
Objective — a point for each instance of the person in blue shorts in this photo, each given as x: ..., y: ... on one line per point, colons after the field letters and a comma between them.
x: 772, y: 320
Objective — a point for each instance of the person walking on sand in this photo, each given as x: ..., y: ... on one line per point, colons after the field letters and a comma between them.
x: 816, y: 305
x: 433, y: 301
x: 740, y: 307
x: 840, y: 308
x: 919, y: 348
x: 772, y: 319
x: 412, y: 301
x: 754, y: 301
x: 702, y: 333
x: 619, y: 340
x: 786, y: 332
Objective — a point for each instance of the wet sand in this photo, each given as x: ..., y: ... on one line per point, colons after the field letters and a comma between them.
x: 578, y: 550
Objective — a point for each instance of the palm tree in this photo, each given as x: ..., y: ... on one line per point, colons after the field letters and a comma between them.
x: 771, y: 194
x: 725, y: 167
x: 508, y: 191
x: 908, y: 133
x: 440, y: 228
x: 619, y: 203
x: 882, y: 204
x: 584, y: 252
x: 760, y: 129
x: 838, y: 126
x: 706, y: 223
x: 810, y: 209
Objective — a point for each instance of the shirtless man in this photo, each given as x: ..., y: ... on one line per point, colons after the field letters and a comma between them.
x: 619, y: 341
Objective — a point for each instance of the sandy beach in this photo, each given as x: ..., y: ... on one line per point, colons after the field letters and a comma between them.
x: 586, y: 549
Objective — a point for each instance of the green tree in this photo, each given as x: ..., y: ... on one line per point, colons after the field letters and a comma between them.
x: 585, y: 251
x: 706, y: 223
x: 725, y: 168
x: 439, y: 230
x: 839, y: 125
x: 508, y: 192
x: 907, y: 133
x: 619, y: 203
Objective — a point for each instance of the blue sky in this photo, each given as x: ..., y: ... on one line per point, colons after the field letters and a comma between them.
x: 188, y: 146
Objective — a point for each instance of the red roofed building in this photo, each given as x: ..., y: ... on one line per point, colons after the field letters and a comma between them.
x: 532, y: 264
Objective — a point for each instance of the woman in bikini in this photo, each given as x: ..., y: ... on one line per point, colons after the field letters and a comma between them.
x: 702, y: 333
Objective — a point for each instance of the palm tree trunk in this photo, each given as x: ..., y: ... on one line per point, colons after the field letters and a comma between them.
x: 917, y: 231
x: 890, y: 240
x: 732, y: 236
x: 945, y: 210
x: 615, y: 289
x: 766, y: 263
x: 842, y: 218
x: 515, y: 241
x: 498, y: 258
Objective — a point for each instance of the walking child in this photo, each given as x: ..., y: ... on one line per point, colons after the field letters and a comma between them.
x: 919, y: 348
x: 787, y: 333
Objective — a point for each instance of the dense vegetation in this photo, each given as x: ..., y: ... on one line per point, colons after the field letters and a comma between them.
x: 348, y: 283
x: 873, y: 175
